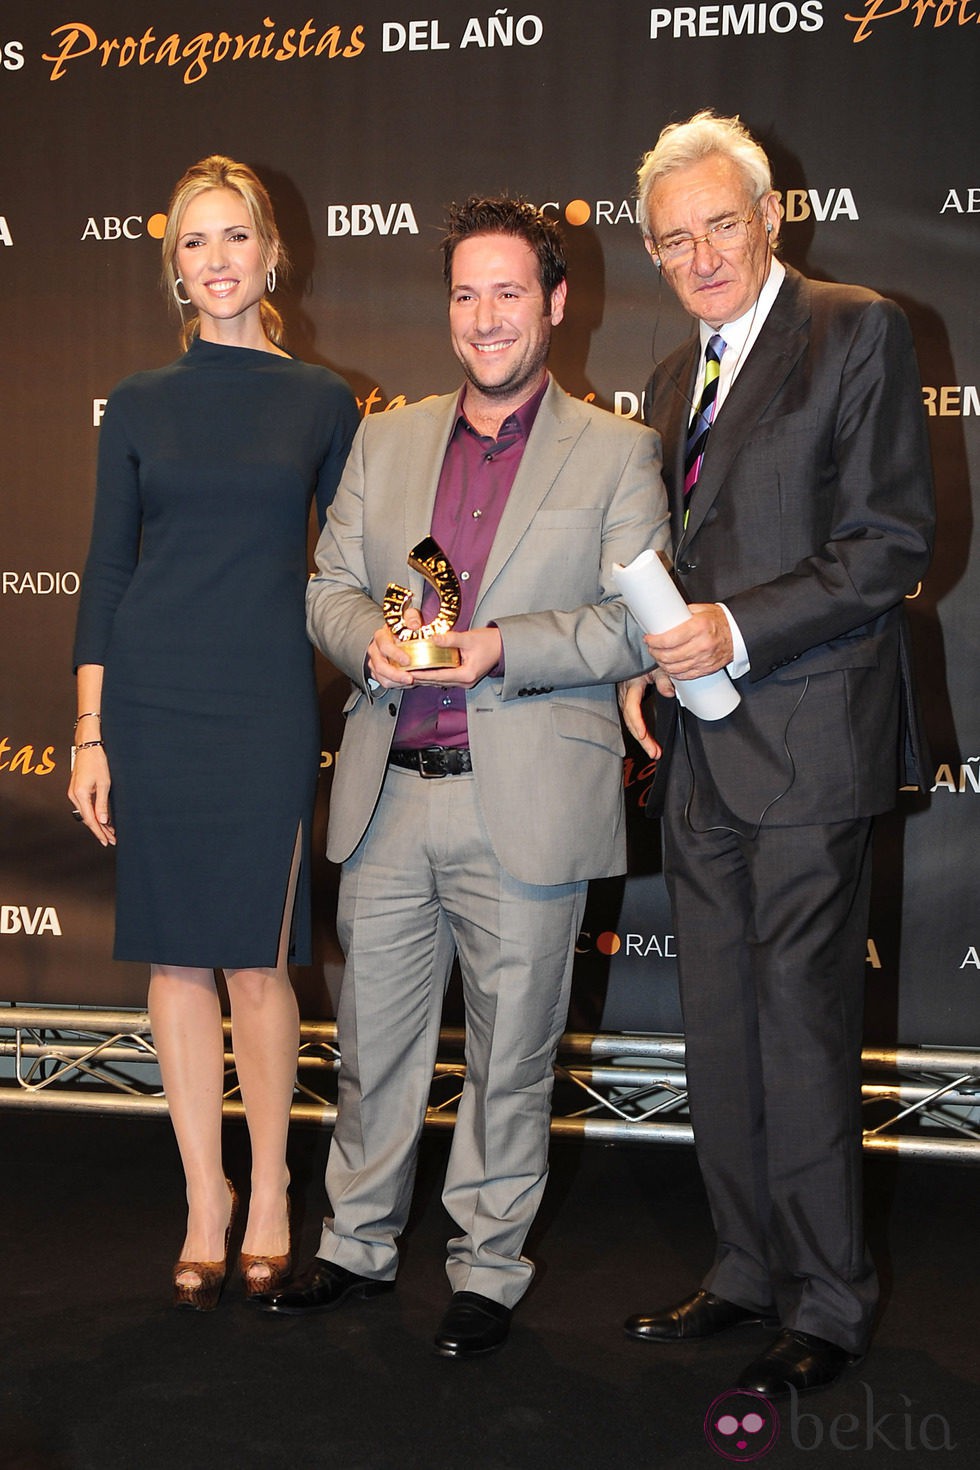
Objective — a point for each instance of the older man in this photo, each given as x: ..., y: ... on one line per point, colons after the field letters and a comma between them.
x: 798, y: 475
x: 472, y: 804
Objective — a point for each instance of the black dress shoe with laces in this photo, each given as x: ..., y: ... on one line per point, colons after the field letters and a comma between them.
x: 796, y: 1360
x: 473, y: 1324
x: 320, y: 1288
x: 700, y: 1315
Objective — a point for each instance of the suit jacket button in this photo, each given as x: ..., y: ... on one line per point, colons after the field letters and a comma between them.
x: 392, y: 709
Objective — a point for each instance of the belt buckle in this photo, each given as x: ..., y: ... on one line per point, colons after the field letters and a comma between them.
x: 437, y: 753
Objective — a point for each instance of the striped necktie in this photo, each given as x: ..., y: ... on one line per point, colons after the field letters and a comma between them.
x: 697, y: 434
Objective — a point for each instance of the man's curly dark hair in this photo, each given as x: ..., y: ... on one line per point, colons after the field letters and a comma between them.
x: 506, y: 216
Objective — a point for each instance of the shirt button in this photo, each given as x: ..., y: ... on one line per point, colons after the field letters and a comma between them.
x: 477, y: 514
x: 464, y: 576
x: 447, y: 702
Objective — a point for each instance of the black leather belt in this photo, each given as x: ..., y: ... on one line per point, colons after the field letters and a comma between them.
x: 433, y: 760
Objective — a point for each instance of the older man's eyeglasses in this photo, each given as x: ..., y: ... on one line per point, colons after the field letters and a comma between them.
x: 727, y: 234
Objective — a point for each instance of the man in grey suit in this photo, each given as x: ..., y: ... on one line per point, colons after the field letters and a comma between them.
x: 802, y: 515
x: 471, y: 805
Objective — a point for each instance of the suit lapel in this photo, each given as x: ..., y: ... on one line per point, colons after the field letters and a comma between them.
x: 554, y: 434
x: 670, y: 413
x: 422, y: 466
x: 775, y: 352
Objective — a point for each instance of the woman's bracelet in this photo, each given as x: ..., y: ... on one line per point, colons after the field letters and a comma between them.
x: 91, y: 714
x: 90, y: 744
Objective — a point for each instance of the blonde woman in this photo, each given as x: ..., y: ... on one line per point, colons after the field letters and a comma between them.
x: 197, y: 731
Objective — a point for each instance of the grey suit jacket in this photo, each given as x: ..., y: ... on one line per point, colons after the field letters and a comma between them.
x: 812, y: 519
x: 545, y: 738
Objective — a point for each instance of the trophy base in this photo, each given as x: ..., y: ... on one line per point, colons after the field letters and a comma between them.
x: 422, y: 654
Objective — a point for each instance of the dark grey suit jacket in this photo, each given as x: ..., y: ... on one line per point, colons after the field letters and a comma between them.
x: 812, y: 519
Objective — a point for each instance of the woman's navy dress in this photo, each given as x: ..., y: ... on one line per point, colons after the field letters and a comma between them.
x: 193, y: 600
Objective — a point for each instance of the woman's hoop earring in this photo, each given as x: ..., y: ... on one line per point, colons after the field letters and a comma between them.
x: 270, y: 279
x: 180, y: 300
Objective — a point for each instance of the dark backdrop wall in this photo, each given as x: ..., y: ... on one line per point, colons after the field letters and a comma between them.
x: 364, y: 120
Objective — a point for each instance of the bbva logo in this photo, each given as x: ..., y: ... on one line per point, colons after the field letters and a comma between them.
x: 19, y: 919
x: 368, y: 219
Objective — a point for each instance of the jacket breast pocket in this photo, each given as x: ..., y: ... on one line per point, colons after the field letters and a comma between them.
x: 568, y: 517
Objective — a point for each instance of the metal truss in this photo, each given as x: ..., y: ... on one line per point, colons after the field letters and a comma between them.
x: 921, y: 1102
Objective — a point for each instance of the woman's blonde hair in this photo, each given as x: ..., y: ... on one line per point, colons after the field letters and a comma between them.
x: 218, y: 172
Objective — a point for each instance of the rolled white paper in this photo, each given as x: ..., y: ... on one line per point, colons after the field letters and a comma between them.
x: 657, y: 605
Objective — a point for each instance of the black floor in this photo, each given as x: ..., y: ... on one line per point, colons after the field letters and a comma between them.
x: 99, y: 1373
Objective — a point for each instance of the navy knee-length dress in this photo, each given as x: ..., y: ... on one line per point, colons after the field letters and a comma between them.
x: 193, y: 601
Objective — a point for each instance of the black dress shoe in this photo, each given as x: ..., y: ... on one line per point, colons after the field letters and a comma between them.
x: 796, y: 1360
x: 700, y: 1315
x: 320, y: 1288
x: 473, y: 1324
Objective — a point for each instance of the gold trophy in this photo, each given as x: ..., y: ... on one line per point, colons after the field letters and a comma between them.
x: 429, y: 559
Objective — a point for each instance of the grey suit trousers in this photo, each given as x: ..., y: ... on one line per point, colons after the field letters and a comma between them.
x: 422, y: 885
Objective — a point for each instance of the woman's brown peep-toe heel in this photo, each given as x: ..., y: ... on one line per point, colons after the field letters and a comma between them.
x: 266, y: 1273
x: 205, y: 1293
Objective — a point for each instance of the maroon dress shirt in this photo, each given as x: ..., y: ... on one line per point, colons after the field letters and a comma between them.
x: 474, y: 484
